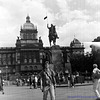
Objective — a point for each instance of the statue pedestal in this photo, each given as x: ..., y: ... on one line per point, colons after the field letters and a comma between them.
x: 57, y: 58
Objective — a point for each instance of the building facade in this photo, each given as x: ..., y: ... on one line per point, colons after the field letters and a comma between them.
x: 76, y: 47
x: 7, y: 59
x: 27, y: 56
x: 28, y: 49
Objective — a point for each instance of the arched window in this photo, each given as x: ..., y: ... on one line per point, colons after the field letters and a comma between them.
x: 35, y: 67
x: 31, y: 68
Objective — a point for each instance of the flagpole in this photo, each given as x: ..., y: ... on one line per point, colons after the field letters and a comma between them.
x: 47, y: 17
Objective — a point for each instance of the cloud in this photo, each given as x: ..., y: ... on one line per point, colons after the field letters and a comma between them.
x: 66, y: 14
x: 97, y: 16
x: 76, y: 14
x: 64, y: 10
x: 75, y: 22
x: 13, y: 16
x: 84, y: 31
x: 68, y: 22
x: 93, y: 2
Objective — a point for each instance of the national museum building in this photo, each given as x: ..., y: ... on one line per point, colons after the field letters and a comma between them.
x: 27, y: 55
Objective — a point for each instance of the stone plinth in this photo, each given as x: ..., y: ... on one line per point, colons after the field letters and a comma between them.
x: 57, y: 58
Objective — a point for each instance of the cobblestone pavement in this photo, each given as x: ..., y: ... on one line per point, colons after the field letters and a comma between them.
x: 62, y: 93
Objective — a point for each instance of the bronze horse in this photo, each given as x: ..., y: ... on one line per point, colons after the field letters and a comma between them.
x: 52, y: 34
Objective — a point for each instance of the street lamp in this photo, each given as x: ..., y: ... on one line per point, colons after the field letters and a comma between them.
x: 0, y: 72
x: 6, y: 72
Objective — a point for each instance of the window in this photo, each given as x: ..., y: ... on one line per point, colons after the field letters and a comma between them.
x: 41, y: 61
x: 30, y: 60
x: 34, y: 60
x: 35, y: 67
x: 40, y: 54
x: 26, y: 68
x: 31, y: 68
x: 0, y: 55
x: 0, y: 61
x: 18, y: 61
x: 25, y: 60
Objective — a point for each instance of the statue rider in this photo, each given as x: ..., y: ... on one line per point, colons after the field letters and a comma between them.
x: 52, y: 32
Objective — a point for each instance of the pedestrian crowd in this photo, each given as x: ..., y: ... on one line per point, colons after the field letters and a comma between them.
x: 31, y: 81
x: 47, y: 80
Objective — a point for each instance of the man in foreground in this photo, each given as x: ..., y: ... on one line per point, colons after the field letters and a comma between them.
x: 47, y: 77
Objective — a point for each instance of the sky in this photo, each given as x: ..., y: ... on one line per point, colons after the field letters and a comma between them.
x: 73, y: 18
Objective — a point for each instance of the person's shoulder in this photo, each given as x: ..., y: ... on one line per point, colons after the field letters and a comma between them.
x: 94, y: 69
x: 41, y: 73
x: 53, y: 72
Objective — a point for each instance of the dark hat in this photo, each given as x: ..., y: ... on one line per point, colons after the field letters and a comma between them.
x: 95, y: 65
x: 46, y: 62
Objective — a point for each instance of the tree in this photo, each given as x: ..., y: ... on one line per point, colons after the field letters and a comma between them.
x: 96, y: 39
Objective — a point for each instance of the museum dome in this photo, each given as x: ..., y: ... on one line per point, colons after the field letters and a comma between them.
x: 28, y: 25
x: 75, y: 42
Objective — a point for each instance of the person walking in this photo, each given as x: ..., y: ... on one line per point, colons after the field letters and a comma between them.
x: 72, y: 80
x: 36, y: 81
x: 33, y: 81
x: 47, y: 83
x: 69, y: 80
x: 1, y: 85
x: 30, y: 82
x: 96, y: 81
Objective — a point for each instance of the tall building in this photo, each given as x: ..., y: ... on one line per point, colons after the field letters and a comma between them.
x: 26, y: 57
x: 28, y: 49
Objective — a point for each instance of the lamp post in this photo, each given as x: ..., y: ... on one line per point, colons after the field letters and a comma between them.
x: 6, y: 72
x: 0, y: 75
x: 0, y: 72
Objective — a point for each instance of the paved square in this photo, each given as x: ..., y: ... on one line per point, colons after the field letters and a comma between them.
x: 62, y: 93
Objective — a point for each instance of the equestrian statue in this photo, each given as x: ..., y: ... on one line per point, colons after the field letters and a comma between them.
x: 52, y: 34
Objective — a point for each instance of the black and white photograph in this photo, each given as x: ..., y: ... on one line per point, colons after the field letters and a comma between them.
x: 49, y: 49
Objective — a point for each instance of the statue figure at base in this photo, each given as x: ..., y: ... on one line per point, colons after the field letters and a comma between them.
x: 52, y: 34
